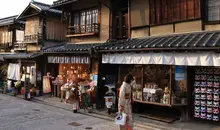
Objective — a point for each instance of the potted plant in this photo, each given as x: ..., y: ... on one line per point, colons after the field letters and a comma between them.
x: 17, y: 87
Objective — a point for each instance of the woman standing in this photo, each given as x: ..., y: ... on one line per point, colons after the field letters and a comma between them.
x: 125, y: 101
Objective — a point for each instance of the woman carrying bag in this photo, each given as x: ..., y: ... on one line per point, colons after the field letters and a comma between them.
x: 125, y: 102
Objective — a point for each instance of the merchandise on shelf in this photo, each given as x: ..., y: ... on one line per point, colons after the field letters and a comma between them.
x: 206, y: 88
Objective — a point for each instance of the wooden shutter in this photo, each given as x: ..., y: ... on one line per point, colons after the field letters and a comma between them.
x: 183, y: 9
x: 158, y: 11
x: 176, y: 10
x: 170, y: 10
x: 164, y: 7
x: 197, y: 9
x: 152, y: 12
x: 190, y: 10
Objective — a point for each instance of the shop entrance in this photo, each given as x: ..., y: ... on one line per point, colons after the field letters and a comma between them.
x: 108, y: 74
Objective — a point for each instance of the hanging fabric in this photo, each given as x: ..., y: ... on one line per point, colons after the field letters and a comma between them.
x: 13, y: 71
x: 165, y: 58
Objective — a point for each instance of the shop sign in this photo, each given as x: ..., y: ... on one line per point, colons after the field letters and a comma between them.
x: 69, y: 59
x: 180, y: 78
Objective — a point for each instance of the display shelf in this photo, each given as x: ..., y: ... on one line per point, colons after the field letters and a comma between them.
x: 153, y: 103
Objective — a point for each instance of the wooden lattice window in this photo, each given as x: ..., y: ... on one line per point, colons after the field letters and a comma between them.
x: 165, y: 11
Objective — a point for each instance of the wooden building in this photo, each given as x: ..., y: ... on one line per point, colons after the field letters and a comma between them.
x: 11, y: 33
x: 169, y: 43
x: 43, y: 26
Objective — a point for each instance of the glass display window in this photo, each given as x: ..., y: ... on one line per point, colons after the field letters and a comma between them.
x: 67, y: 71
x: 152, y: 83
x: 156, y: 84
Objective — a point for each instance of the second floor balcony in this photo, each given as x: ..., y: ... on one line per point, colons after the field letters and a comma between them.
x: 83, y: 30
x: 35, y: 38
x: 20, y: 46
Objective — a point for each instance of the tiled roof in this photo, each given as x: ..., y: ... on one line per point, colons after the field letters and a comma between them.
x: 70, y: 47
x: 46, y: 7
x: 7, y: 20
x: 62, y: 2
x: 21, y: 55
x: 197, y: 40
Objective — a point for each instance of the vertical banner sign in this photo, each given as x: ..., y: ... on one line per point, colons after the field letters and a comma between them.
x: 180, y: 78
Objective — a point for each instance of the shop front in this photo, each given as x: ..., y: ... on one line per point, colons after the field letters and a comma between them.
x: 22, y: 74
x: 73, y: 67
x: 163, y: 85
x: 177, y: 73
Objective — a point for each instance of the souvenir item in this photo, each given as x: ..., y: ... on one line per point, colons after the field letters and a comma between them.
x: 215, y: 110
x: 216, y: 78
x: 209, y: 97
x: 209, y: 109
x: 197, y: 90
x: 204, y: 70
x: 216, y: 97
x: 209, y: 90
x: 203, y: 97
x: 197, y: 102
x: 197, y: 115
x: 209, y: 117
x: 197, y: 96
x: 216, y: 91
x: 203, y: 90
x: 203, y: 84
x: 210, y: 78
x: 198, y: 71
x: 203, y: 77
x: 197, y: 77
x: 203, y: 109
x: 210, y: 84
x: 197, y: 84
x: 216, y: 104
x: 215, y: 118
x: 216, y: 84
x: 203, y: 115
x: 216, y: 71
x: 203, y: 103
x: 209, y: 103
x: 210, y: 71
x: 197, y: 109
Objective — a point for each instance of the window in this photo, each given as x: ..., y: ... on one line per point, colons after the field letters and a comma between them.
x: 164, y: 11
x: 85, y: 21
x: 213, y: 10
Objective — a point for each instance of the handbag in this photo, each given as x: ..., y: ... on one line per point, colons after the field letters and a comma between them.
x: 120, y: 119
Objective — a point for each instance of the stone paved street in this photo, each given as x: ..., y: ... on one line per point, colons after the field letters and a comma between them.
x: 18, y: 114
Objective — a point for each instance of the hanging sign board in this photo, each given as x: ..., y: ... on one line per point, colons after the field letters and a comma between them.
x: 180, y: 78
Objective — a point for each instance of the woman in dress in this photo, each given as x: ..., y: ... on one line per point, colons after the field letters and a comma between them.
x: 125, y: 101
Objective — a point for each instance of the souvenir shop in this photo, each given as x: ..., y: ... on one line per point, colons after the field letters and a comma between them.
x: 64, y: 68
x: 164, y: 79
x: 20, y: 71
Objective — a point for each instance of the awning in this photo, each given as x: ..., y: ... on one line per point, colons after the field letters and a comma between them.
x: 164, y: 58
x: 69, y: 59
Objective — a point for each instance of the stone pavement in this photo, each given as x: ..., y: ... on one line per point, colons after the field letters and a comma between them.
x: 19, y: 114
x: 139, y: 122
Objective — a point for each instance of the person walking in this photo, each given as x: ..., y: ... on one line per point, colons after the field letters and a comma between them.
x: 125, y: 102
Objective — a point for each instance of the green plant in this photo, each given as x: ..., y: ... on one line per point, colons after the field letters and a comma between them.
x: 3, y: 71
x: 18, y: 84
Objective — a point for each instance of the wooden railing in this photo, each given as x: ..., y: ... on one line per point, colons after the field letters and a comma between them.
x: 20, y: 46
x: 89, y: 29
x: 35, y: 38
